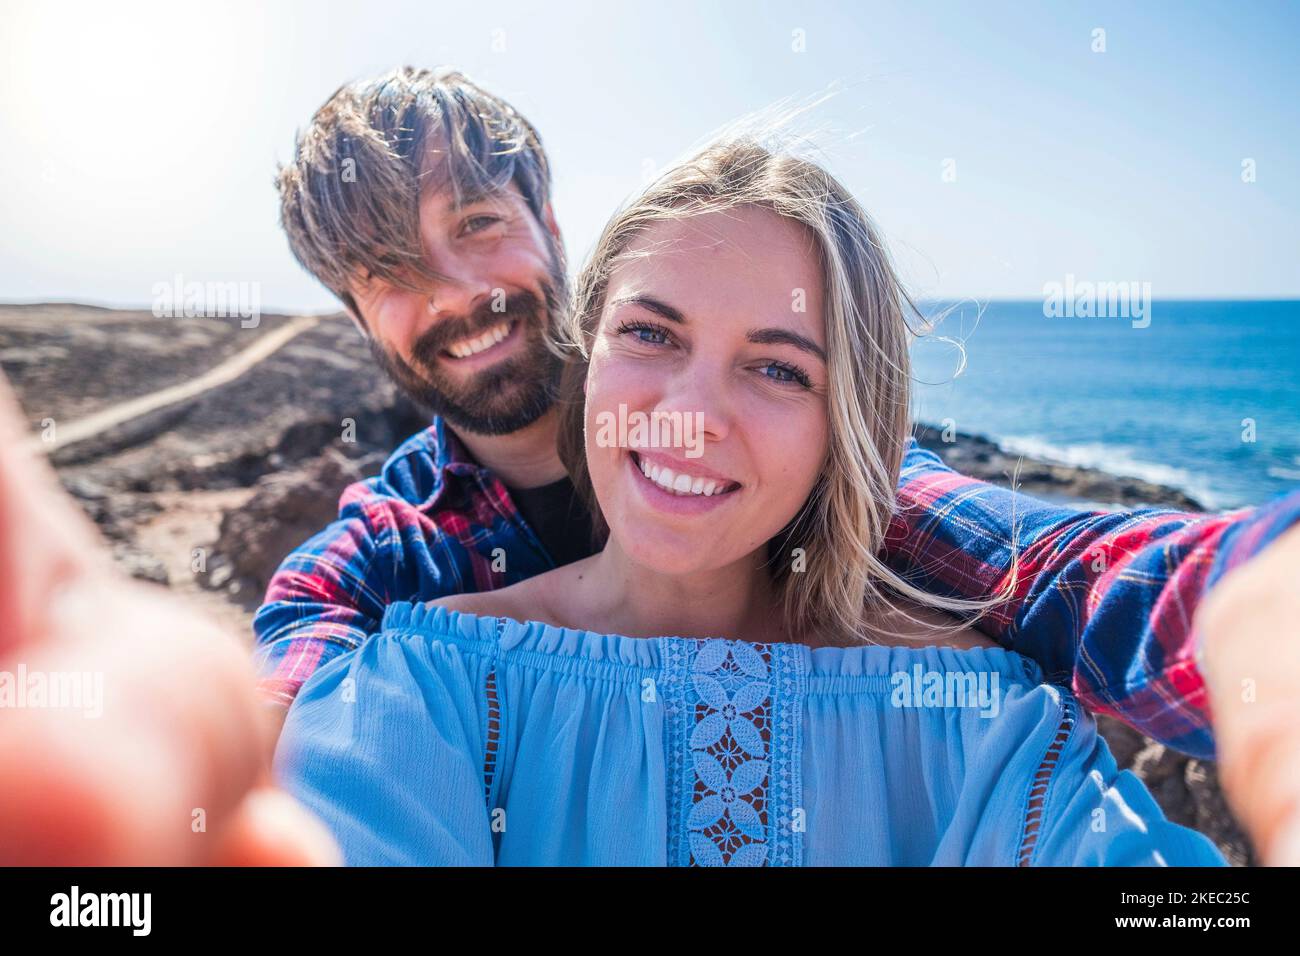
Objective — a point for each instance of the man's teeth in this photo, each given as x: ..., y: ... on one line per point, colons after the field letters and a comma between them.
x: 467, y: 347
x: 681, y: 483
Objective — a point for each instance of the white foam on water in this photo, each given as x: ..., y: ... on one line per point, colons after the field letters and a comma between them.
x: 1115, y: 460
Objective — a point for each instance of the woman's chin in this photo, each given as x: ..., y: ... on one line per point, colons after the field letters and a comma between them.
x: 661, y: 551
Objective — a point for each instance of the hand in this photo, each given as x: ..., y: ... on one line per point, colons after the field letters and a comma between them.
x: 173, y: 769
x: 1250, y: 630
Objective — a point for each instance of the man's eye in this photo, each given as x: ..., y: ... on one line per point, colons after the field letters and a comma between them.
x: 477, y: 224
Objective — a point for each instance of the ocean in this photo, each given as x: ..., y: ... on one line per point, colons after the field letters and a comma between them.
x: 1205, y: 397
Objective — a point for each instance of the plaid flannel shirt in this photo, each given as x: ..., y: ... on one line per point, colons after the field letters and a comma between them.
x: 1102, y: 601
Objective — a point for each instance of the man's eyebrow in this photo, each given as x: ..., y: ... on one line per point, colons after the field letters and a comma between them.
x: 456, y: 200
x: 652, y: 304
x: 775, y: 336
x: 474, y: 197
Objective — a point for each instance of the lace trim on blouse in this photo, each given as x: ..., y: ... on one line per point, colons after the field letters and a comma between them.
x: 733, y: 749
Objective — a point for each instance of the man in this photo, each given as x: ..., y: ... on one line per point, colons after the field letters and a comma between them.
x: 439, y: 238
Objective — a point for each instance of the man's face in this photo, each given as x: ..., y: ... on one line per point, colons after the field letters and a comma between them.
x: 470, y: 346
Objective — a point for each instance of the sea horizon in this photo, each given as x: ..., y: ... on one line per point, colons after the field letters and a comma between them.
x: 1204, y: 397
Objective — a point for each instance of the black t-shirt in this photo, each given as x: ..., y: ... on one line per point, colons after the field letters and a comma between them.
x: 559, y: 519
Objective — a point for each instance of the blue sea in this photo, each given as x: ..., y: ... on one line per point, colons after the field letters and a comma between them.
x: 1205, y: 398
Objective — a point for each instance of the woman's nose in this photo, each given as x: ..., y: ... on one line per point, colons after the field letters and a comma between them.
x: 703, y: 394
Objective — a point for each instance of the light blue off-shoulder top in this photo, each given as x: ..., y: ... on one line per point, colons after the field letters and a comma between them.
x: 454, y: 739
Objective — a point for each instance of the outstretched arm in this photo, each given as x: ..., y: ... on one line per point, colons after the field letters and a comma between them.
x: 1249, y: 631
x: 1104, y: 602
x: 164, y: 760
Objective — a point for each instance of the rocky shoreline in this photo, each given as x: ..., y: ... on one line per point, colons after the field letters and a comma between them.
x: 206, y: 496
x: 981, y: 458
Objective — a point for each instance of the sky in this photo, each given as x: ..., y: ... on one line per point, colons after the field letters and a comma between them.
x: 995, y: 145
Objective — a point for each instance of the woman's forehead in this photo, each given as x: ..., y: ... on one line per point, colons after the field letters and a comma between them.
x: 746, y: 248
x: 747, y: 273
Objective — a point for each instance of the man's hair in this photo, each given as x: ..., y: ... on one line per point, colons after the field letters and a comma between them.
x: 349, y: 201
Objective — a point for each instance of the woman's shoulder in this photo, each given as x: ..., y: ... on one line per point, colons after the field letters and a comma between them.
x: 907, y: 623
x: 539, y: 598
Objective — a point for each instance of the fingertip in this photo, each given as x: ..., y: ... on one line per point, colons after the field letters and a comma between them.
x: 271, y: 828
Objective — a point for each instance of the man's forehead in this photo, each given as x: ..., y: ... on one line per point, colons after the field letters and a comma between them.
x: 441, y: 193
x: 450, y: 183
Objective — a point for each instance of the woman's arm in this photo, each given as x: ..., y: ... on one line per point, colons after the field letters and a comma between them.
x: 164, y: 761
x: 386, y: 745
x: 1249, y: 648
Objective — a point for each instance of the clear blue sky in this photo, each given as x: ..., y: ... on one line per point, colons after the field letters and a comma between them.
x: 138, y: 141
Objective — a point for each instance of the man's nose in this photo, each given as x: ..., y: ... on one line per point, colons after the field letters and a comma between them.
x: 458, y: 289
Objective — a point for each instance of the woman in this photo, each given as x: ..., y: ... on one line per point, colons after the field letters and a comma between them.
x: 735, y: 678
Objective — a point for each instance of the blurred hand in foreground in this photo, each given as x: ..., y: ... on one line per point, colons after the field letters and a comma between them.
x: 165, y: 759
x: 1250, y: 633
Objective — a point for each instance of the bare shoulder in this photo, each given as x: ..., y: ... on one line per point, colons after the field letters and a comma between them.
x: 908, y: 624
x: 504, y: 602
x: 535, y: 599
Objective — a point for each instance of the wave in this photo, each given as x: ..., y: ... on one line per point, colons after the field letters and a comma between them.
x: 1116, y: 460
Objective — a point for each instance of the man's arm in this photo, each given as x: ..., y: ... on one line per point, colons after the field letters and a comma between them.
x: 329, y: 595
x: 1104, y: 602
x: 323, y: 601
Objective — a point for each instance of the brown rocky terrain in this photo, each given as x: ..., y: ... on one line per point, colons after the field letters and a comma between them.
x: 207, y: 494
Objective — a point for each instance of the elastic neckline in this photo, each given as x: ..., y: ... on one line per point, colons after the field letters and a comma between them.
x: 828, y: 668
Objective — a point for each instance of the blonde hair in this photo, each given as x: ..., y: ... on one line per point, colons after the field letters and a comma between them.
x: 842, y: 525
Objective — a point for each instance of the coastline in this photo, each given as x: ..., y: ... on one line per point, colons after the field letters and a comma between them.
x: 1088, y: 488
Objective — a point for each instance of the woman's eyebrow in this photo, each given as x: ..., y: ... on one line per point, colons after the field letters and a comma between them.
x: 774, y: 336
x: 769, y: 336
x: 662, y: 309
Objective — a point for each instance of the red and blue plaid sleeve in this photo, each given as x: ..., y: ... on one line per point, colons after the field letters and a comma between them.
x: 402, y: 536
x: 324, y: 600
x: 1103, y: 602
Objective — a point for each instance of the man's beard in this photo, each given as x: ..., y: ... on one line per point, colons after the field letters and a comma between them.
x: 496, y: 401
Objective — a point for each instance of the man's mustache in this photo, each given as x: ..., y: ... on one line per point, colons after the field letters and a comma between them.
x: 522, y: 305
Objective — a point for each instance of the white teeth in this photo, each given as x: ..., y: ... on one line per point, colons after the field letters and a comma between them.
x: 679, y: 483
x: 467, y: 347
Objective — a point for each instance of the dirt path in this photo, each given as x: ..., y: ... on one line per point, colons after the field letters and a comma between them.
x: 227, y: 371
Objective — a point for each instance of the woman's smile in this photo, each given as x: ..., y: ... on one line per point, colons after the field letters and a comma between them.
x: 677, y: 487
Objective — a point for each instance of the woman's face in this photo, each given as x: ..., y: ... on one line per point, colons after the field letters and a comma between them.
x: 713, y: 321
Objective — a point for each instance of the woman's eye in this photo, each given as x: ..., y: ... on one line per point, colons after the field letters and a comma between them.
x: 780, y: 372
x: 650, y: 334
